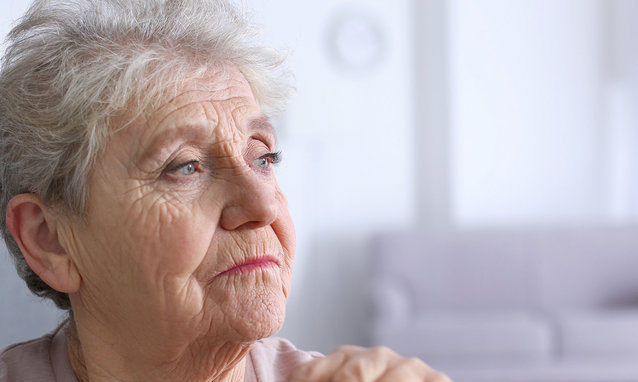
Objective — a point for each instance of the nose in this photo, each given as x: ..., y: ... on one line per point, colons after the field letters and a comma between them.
x: 254, y: 203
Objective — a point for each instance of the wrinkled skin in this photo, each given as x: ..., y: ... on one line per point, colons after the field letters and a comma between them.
x: 178, y: 197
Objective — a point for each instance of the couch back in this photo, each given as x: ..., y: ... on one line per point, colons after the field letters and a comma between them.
x: 505, y: 269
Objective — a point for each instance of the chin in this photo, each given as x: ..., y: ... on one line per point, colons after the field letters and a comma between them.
x: 254, y: 307
x: 260, y: 319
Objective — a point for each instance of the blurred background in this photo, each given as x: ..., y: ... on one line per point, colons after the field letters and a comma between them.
x: 434, y: 117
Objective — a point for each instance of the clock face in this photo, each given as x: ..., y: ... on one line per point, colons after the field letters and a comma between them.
x: 355, y: 41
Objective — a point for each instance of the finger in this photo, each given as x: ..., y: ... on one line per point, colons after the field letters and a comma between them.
x: 413, y: 369
x: 365, y: 365
x: 319, y: 370
x: 408, y: 370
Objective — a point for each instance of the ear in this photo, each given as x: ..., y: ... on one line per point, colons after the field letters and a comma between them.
x: 34, y: 227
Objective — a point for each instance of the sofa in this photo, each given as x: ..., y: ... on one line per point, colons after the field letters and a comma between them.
x: 524, y: 304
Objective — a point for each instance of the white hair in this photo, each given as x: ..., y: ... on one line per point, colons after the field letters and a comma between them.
x: 72, y: 66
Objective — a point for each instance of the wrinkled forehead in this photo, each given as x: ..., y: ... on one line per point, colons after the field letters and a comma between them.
x: 220, y: 97
x: 219, y: 107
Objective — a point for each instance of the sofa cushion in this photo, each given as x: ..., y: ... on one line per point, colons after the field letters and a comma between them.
x: 451, y: 270
x: 588, y: 268
x: 598, y: 334
x: 471, y: 338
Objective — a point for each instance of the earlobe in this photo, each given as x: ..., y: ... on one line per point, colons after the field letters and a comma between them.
x: 34, y: 228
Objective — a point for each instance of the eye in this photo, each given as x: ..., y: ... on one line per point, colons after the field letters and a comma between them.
x: 188, y: 168
x: 264, y: 161
x: 261, y: 163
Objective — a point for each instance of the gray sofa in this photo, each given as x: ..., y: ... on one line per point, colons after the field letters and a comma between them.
x: 511, y: 304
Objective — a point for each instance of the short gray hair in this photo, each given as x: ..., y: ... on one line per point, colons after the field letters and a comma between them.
x: 72, y: 66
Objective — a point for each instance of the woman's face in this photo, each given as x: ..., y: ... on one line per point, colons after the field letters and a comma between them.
x: 187, y: 232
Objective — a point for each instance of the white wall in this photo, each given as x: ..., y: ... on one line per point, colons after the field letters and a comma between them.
x: 622, y: 111
x: 526, y: 82
x: 544, y: 124
x: 10, y: 12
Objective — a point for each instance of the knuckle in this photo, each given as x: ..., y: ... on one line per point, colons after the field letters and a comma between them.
x: 416, y: 363
x: 384, y: 352
x: 412, y: 367
x: 361, y: 365
x: 348, y: 349
x: 354, y: 371
x: 357, y: 368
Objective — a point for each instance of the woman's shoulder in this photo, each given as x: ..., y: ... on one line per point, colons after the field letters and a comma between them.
x: 42, y: 359
x: 272, y: 359
x: 27, y: 361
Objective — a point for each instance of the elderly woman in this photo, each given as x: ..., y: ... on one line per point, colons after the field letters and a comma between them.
x: 138, y: 193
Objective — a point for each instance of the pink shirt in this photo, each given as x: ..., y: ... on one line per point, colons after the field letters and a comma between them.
x: 45, y: 359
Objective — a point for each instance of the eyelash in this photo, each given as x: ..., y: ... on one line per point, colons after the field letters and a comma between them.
x: 273, y: 158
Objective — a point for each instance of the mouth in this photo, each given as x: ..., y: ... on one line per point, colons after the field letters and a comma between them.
x: 250, y: 265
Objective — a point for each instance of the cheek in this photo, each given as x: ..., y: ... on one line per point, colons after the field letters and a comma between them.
x: 176, y: 236
x: 149, y: 235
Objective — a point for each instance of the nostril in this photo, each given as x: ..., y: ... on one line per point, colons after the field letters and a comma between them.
x: 250, y: 210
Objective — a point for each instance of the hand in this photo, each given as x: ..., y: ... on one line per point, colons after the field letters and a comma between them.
x: 357, y: 364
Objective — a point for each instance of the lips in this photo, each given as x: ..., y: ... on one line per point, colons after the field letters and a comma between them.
x: 250, y: 265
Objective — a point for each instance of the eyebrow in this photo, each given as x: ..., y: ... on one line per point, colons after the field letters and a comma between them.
x: 188, y: 132
x: 181, y: 133
x: 262, y: 123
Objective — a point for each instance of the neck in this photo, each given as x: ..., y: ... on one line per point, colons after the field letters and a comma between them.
x: 95, y: 360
